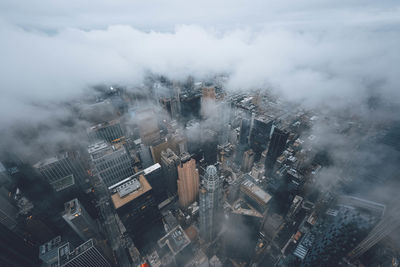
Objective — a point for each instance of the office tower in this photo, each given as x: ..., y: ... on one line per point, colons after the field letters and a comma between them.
x: 338, y: 232
x: 157, y: 181
x: 170, y: 162
x: 248, y: 160
x: 209, y: 146
x: 145, y: 156
x: 89, y: 254
x: 62, y: 171
x: 16, y: 251
x: 107, y: 131
x: 135, y: 205
x: 156, y: 149
x: 148, y: 126
x: 8, y: 212
x: 244, y: 132
x: 48, y: 252
x: 259, y: 136
x: 112, y: 163
x: 79, y: 220
x: 276, y: 147
x: 188, y: 181
x: 210, y: 203
x: 254, y: 195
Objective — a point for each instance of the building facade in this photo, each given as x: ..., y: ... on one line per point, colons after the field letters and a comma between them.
x: 111, y: 162
x: 188, y: 181
x: 210, y: 203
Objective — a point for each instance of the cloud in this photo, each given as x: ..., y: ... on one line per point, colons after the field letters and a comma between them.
x: 318, y: 53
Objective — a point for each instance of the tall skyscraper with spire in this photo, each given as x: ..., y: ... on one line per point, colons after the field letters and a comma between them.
x: 210, y: 202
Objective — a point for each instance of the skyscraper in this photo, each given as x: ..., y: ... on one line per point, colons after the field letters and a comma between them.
x: 135, y: 205
x: 259, y: 136
x: 248, y: 160
x: 112, y: 163
x: 209, y: 146
x: 88, y: 254
x: 210, y: 202
x: 169, y: 163
x: 157, y: 181
x: 107, y: 131
x: 79, y: 220
x: 188, y: 181
x: 276, y: 147
x: 62, y: 171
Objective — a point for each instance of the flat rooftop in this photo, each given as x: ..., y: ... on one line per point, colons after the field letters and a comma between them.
x: 121, y: 201
x: 256, y: 191
x: 176, y: 240
x: 50, y: 160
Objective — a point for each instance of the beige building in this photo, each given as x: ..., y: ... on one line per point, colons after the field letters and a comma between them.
x: 188, y: 181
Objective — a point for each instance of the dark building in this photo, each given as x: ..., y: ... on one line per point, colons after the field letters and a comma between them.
x: 157, y: 181
x: 62, y: 171
x: 259, y: 136
x: 169, y: 163
x: 15, y: 251
x: 276, y: 147
x: 79, y: 220
x: 133, y: 200
x: 209, y: 146
x: 107, y: 131
x: 243, y: 143
x: 88, y: 254
x: 244, y: 132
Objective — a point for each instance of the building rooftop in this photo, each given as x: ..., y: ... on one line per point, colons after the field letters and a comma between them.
x: 151, y: 168
x: 119, y: 201
x: 72, y: 209
x: 50, y: 160
x: 63, y: 183
x: 49, y: 246
x: 176, y: 240
x: 257, y: 191
x: 103, y: 124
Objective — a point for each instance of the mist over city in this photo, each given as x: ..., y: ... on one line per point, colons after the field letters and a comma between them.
x: 199, y: 134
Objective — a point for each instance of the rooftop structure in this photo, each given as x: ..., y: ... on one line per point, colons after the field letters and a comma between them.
x: 253, y: 194
x: 176, y: 240
x: 130, y: 190
x: 79, y: 220
x: 87, y: 254
x: 48, y: 252
x: 112, y: 162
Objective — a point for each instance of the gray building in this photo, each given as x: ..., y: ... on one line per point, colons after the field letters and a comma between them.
x: 48, y: 252
x: 112, y: 162
x: 169, y: 163
x: 62, y: 171
x: 108, y: 131
x: 79, y: 220
x: 8, y: 212
x: 87, y: 254
x: 210, y: 203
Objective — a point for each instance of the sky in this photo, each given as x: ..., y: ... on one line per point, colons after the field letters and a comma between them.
x: 330, y: 54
